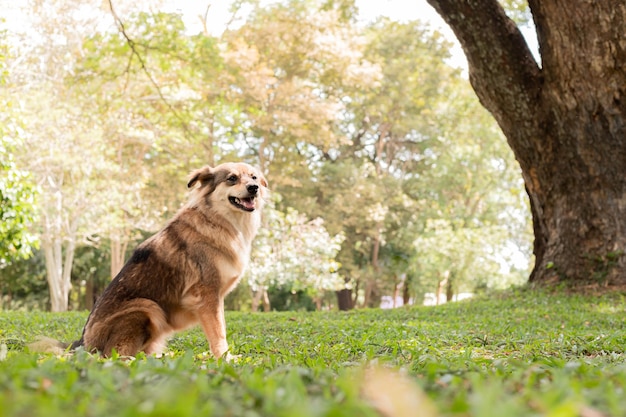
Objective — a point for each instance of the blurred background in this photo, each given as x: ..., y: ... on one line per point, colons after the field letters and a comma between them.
x: 391, y: 185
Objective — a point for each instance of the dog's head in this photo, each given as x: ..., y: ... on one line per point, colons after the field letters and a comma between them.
x: 239, y: 186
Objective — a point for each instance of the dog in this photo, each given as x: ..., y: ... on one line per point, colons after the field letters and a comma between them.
x: 180, y: 276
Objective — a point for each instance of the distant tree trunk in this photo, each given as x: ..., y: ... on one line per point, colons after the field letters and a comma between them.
x: 118, y: 254
x: 367, y: 296
x: 397, y: 284
x: 261, y: 297
x: 344, y: 299
x: 89, y: 294
x: 565, y: 122
x: 441, y: 285
x: 406, y: 293
x: 58, y: 271
x: 370, y: 284
x: 256, y: 300
x: 450, y: 290
x: 267, y: 307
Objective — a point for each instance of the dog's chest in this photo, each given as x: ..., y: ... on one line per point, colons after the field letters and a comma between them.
x: 232, y: 269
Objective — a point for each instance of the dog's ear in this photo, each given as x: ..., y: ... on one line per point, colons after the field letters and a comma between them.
x: 263, y: 181
x: 203, y: 175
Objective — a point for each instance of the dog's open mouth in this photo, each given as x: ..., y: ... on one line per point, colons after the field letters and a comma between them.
x: 246, y: 204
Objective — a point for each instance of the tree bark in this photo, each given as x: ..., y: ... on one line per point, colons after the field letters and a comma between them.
x: 441, y: 285
x: 256, y: 300
x: 344, y: 299
x: 58, y: 272
x: 406, y: 293
x: 267, y: 307
x: 89, y: 294
x: 450, y: 290
x: 396, y: 291
x: 564, y: 121
x: 367, y: 296
x: 261, y: 297
x: 118, y: 254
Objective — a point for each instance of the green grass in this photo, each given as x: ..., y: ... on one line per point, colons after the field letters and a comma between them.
x: 514, y: 354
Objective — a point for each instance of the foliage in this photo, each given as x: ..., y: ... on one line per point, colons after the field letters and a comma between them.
x: 17, y: 192
x: 474, y: 210
x: 515, y: 354
x: 517, y: 10
x: 17, y: 209
x: 294, y: 253
x: 23, y: 284
x: 366, y: 128
x: 292, y: 62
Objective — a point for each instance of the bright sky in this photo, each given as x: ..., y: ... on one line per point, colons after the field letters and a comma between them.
x: 369, y: 9
x: 401, y: 10
x: 218, y: 16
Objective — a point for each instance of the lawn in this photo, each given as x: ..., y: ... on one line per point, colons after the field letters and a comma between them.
x: 520, y: 353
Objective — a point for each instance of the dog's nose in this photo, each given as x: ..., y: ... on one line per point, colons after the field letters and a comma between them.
x: 252, y: 189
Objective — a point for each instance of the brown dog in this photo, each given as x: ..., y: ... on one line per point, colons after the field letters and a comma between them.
x: 180, y: 276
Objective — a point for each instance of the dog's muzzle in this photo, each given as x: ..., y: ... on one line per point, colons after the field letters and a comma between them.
x: 247, y: 203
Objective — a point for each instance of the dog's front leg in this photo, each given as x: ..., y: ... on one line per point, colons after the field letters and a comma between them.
x: 214, y: 325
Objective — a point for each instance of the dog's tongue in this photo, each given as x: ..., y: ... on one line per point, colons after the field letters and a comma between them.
x: 247, y: 203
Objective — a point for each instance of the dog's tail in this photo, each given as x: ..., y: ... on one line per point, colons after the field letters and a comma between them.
x: 49, y: 345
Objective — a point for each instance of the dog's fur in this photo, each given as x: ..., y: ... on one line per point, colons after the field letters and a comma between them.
x: 180, y: 276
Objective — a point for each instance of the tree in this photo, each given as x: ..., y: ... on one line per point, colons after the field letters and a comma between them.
x: 65, y: 149
x: 389, y: 125
x: 296, y: 254
x: 142, y: 101
x: 23, y: 283
x: 289, y: 62
x: 17, y: 193
x: 69, y: 161
x: 471, y: 203
x: 17, y: 209
x: 93, y: 143
x: 564, y: 119
x: 16, y: 190
x: 17, y: 198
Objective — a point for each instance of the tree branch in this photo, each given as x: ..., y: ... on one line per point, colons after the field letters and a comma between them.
x: 502, y: 69
x: 133, y: 47
x: 203, y: 19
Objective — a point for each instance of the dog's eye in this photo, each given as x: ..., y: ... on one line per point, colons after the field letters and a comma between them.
x: 254, y: 177
x: 232, y: 178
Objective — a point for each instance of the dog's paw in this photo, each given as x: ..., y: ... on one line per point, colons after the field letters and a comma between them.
x: 230, y: 358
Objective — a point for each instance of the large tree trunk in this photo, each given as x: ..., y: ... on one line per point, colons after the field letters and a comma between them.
x: 563, y: 120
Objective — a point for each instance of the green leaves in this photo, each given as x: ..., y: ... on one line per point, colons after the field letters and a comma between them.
x: 17, y: 210
x: 17, y: 189
x: 295, y: 253
x: 367, y: 128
